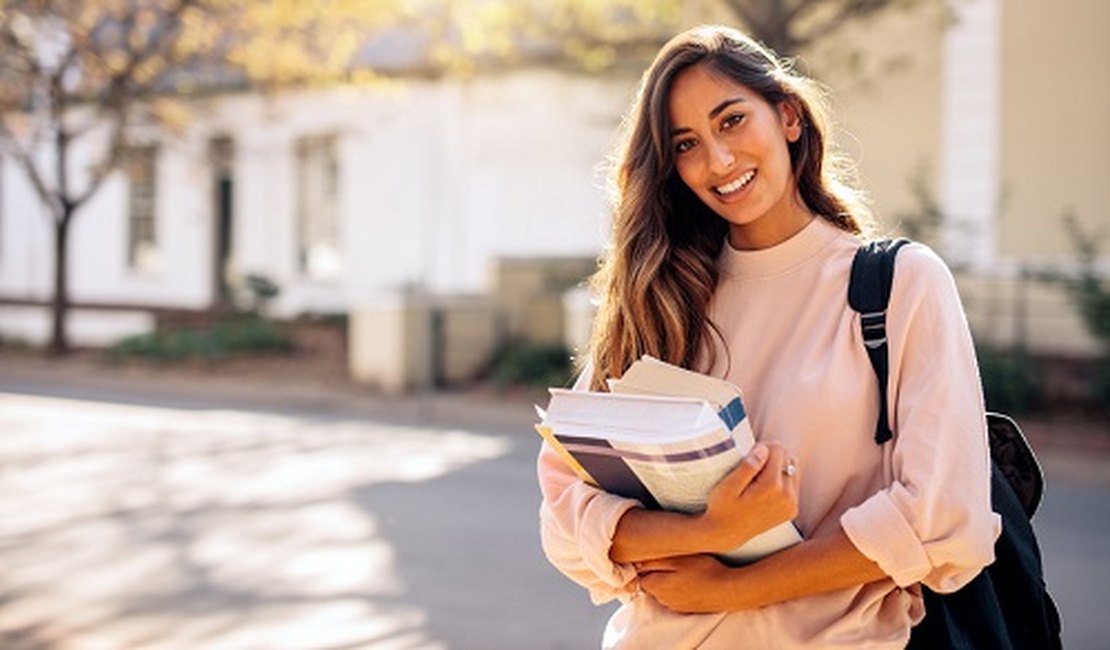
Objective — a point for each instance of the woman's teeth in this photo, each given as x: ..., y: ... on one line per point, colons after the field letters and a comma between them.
x: 735, y: 185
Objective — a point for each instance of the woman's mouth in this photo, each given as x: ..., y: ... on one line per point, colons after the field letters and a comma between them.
x: 735, y: 186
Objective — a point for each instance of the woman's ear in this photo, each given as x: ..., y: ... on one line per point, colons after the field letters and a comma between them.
x: 790, y: 114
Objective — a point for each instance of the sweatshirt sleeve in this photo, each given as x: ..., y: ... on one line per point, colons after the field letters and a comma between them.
x: 577, y: 523
x: 933, y: 524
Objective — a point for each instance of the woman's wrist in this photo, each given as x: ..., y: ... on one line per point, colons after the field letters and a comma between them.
x: 711, y: 535
x: 643, y: 534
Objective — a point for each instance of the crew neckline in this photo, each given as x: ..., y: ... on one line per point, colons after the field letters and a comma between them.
x: 792, y: 252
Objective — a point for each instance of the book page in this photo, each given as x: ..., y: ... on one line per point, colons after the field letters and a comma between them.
x: 663, y: 437
x: 650, y: 376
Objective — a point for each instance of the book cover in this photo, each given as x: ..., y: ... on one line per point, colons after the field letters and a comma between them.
x: 664, y: 436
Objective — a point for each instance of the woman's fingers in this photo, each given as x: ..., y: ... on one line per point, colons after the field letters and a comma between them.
x: 776, y: 485
x: 777, y: 469
x: 738, y: 479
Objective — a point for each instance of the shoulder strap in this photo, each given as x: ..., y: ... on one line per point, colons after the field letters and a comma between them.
x: 869, y: 294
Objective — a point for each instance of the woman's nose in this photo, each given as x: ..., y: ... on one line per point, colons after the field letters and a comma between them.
x: 721, y: 159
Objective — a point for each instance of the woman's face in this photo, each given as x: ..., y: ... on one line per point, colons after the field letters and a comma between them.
x: 730, y: 148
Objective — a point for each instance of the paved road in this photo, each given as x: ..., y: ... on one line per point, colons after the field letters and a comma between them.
x: 135, y: 522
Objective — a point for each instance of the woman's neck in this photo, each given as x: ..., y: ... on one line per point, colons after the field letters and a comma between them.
x: 779, y: 224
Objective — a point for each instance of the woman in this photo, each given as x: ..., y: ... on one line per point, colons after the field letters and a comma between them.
x: 732, y: 244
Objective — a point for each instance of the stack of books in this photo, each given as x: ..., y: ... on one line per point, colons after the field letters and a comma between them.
x: 662, y: 435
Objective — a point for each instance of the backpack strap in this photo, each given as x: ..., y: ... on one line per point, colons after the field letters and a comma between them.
x: 869, y: 294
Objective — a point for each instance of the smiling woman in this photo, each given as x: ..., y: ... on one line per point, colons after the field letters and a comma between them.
x: 731, y: 150
x: 733, y: 237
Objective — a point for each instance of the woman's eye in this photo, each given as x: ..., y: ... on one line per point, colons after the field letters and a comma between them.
x: 683, y: 146
x: 732, y: 120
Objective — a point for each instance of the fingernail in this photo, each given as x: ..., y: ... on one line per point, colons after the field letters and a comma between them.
x: 759, y: 452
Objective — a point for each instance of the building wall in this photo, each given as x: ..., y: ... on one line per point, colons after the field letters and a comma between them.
x: 436, y: 180
x: 26, y: 240
x: 1046, y: 155
x: 887, y: 105
x: 1055, y: 135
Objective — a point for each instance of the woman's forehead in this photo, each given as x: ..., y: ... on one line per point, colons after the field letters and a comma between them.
x: 699, y: 90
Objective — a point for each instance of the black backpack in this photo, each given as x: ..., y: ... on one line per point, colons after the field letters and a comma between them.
x: 1006, y: 606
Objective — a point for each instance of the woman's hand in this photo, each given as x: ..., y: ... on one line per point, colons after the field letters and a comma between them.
x: 756, y: 496
x: 689, y: 583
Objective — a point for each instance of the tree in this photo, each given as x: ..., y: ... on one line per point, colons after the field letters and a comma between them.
x: 596, y: 32
x: 790, y: 26
x: 86, y: 72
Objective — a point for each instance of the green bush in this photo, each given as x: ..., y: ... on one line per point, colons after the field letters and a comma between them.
x: 225, y: 337
x: 1101, y: 384
x: 1010, y: 381
x: 1090, y: 293
x: 529, y: 364
x: 15, y: 343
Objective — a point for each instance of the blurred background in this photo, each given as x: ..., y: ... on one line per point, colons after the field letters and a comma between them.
x: 279, y: 282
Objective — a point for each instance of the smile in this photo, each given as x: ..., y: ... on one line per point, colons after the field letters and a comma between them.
x: 736, y: 185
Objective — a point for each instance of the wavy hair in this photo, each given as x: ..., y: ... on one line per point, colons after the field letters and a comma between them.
x: 656, y: 281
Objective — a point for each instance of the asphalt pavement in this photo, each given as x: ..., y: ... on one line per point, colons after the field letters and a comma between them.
x: 145, y: 516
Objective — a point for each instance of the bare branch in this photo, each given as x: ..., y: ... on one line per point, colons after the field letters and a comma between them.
x: 743, y: 9
x: 65, y: 65
x: 25, y: 158
x: 852, y: 10
x: 15, y: 50
x: 112, y: 157
x: 794, y: 13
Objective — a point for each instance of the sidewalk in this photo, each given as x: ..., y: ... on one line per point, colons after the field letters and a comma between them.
x: 230, y: 511
x: 1071, y: 448
x: 481, y: 407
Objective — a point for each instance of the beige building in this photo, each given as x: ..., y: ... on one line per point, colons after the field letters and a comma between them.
x: 957, y: 110
x: 997, y: 112
x: 993, y: 110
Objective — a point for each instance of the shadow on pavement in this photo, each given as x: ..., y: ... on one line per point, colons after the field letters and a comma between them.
x: 468, y: 551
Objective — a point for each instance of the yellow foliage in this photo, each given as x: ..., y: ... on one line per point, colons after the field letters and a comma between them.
x: 171, y: 113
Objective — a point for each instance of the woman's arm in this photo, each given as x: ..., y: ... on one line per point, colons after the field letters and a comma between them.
x: 577, y: 523
x: 701, y: 583
x: 754, y: 497
x: 933, y: 523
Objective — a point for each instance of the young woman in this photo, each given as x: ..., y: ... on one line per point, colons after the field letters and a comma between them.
x: 733, y: 238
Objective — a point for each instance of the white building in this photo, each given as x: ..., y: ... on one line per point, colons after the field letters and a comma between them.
x: 336, y: 195
x: 341, y: 195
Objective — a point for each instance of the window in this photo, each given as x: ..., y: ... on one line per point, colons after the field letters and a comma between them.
x: 319, y: 254
x: 142, y: 236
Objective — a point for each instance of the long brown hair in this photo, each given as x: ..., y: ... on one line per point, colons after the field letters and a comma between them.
x: 656, y: 282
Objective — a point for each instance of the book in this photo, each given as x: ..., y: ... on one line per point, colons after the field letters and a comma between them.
x: 663, y: 435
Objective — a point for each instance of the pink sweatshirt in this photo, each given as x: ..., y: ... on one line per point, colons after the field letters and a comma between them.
x: 919, y: 507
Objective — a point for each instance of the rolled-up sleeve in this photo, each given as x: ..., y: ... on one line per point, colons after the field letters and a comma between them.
x: 577, y: 523
x: 933, y: 523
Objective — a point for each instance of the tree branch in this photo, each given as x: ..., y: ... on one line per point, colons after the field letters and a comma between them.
x: 743, y: 10
x: 795, y: 12
x: 27, y: 161
x: 852, y: 10
x: 107, y: 165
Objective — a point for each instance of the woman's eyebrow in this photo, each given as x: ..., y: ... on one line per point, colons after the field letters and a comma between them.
x: 712, y: 114
x: 723, y: 105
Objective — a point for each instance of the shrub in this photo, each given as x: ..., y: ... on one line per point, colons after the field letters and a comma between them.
x: 1009, y: 381
x: 225, y: 337
x: 530, y: 364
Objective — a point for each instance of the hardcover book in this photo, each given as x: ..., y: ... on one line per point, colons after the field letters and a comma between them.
x: 663, y: 435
